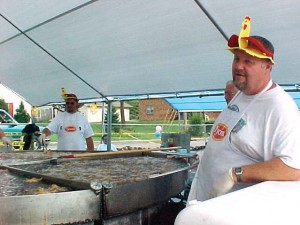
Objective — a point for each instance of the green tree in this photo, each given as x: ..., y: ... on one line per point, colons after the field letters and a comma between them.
x: 21, y: 115
x: 3, y: 105
x: 196, y: 120
x: 134, y: 111
x: 114, y: 120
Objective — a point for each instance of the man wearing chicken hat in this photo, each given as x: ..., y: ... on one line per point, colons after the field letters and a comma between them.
x: 72, y: 128
x: 256, y: 138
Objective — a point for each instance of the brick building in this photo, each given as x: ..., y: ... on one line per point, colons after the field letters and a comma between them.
x: 154, y: 109
x: 159, y: 109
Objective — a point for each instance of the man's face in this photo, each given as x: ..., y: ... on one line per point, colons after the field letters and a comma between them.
x: 71, y: 105
x: 104, y: 140
x: 250, y: 74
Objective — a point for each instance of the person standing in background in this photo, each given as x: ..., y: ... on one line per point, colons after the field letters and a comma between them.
x: 229, y: 91
x: 158, y: 130
x: 72, y: 128
x: 103, y: 145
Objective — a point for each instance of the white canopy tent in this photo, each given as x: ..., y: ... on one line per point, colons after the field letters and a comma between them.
x: 135, y: 48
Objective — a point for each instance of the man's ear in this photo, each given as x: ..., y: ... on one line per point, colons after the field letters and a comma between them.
x: 269, y: 66
x: 266, y: 65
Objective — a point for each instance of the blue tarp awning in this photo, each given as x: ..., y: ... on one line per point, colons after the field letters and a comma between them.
x: 194, y: 104
x: 296, y: 97
x: 209, y: 103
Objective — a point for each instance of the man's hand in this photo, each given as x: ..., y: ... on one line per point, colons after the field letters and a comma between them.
x: 6, y: 140
x: 42, y: 138
x: 223, y: 184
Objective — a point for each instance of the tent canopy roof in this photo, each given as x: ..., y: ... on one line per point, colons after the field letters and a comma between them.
x: 135, y: 49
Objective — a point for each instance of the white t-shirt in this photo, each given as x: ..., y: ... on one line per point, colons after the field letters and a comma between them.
x: 272, y: 129
x: 103, y: 147
x: 268, y: 128
x: 72, y: 129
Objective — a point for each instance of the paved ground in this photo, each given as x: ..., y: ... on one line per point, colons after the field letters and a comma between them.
x: 154, y: 143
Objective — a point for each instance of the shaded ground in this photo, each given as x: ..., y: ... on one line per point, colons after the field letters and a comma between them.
x: 168, y: 213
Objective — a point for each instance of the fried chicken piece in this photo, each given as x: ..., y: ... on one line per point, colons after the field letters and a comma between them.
x: 33, y: 180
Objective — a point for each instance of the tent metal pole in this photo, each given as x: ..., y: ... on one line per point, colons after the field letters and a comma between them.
x: 185, y: 120
x: 179, y: 118
x: 103, y: 119
x: 109, y: 121
x: 212, y: 19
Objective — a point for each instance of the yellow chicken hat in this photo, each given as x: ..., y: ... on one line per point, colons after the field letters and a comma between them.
x: 248, y: 44
x: 66, y: 96
x: 63, y: 93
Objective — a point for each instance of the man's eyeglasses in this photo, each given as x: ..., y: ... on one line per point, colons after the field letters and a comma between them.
x: 70, y: 103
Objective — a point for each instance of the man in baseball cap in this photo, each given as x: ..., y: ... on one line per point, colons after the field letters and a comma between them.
x: 72, y: 128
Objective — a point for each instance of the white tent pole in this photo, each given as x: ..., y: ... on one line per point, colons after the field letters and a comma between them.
x: 103, y: 118
x: 109, y: 121
x: 185, y: 119
x: 178, y: 120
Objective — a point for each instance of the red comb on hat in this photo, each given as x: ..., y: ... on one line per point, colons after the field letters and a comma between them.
x: 249, y: 44
x: 233, y: 43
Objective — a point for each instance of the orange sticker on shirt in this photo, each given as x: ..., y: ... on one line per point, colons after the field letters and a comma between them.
x: 70, y: 129
x: 219, y: 132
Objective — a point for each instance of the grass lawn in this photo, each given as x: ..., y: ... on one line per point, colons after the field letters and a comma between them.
x: 133, y: 130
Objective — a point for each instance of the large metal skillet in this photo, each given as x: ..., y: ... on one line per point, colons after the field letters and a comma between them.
x: 94, y: 200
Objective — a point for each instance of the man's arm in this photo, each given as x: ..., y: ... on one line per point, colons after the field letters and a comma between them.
x: 4, y: 139
x: 1, y: 133
x: 273, y: 169
x: 89, y: 144
x: 45, y: 133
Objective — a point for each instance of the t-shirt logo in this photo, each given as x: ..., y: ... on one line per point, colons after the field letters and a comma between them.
x: 219, y: 132
x: 239, y: 125
x: 234, y: 108
x: 70, y: 129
